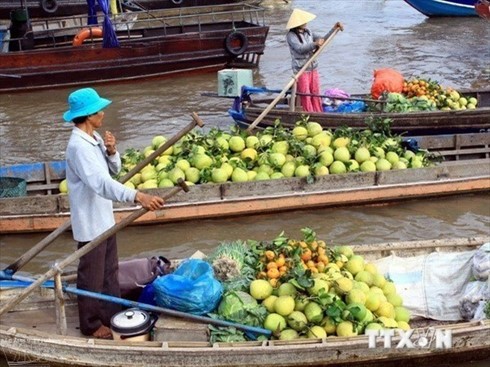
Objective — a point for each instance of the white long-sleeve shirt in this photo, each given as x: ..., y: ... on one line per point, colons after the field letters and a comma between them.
x: 91, y: 189
x: 301, y: 52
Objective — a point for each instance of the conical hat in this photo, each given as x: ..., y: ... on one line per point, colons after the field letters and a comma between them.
x: 299, y: 17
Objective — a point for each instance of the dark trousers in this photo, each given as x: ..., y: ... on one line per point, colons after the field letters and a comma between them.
x: 98, y: 272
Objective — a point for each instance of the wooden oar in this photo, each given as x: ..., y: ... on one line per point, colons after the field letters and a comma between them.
x: 36, y: 249
x: 329, y: 36
x: 85, y: 249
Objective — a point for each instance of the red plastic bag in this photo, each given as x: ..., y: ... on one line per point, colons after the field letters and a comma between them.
x: 386, y: 80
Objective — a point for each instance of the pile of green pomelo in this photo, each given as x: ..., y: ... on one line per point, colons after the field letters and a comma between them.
x: 305, y: 151
x: 345, y: 298
x: 308, y: 150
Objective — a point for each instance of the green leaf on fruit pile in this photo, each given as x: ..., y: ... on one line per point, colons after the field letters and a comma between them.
x: 309, y: 234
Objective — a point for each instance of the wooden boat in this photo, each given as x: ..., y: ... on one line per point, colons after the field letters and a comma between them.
x: 444, y: 8
x: 63, y: 52
x: 246, y: 109
x: 57, y: 8
x: 29, y: 333
x: 464, y: 170
x: 482, y: 8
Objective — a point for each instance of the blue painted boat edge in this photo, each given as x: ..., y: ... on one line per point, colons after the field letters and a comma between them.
x: 28, y: 170
x: 444, y: 8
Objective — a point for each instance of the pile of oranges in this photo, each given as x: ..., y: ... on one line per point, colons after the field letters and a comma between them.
x: 422, y: 87
x: 276, y: 264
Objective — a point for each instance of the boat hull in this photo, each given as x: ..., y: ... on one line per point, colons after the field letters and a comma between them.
x: 150, y: 52
x: 469, y: 174
x: 29, y: 333
x: 444, y: 8
x: 410, y: 124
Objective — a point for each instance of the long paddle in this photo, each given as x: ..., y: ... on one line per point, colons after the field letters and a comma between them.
x: 36, y: 249
x: 148, y: 307
x: 84, y: 250
x: 329, y: 36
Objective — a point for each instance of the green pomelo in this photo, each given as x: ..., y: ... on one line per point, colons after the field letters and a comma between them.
x: 373, y: 301
x: 353, y: 166
x: 127, y: 184
x: 383, y: 164
x: 288, y: 334
x: 313, y: 128
x: 300, y: 303
x: 321, y: 170
x: 175, y: 174
x: 392, y: 157
x: 287, y: 289
x: 355, y: 295
x: 252, y: 141
x: 262, y: 176
x: 302, y: 171
x: 341, y: 154
x: 402, y: 314
x: 63, y: 186
x: 362, y: 154
x: 239, y: 175
x: 355, y: 264
x: 280, y: 147
x: 313, y: 312
x: 399, y: 165
x: 297, y: 320
x: 201, y: 161
x: 357, y: 310
x: 362, y: 286
x: 343, y: 285
x: 150, y: 184
x: 275, y: 322
x: 288, y: 169
x: 337, y: 167
x: 316, y: 332
x: 165, y: 183
x: 379, y: 280
x: 277, y: 159
x: 248, y: 154
x: 284, y: 305
x: 368, y: 166
x: 269, y: 303
x: 219, y: 175
x: 260, y: 289
x: 340, y: 142
x: 386, y: 309
x: 192, y: 174
x: 318, y: 285
x: 326, y: 158
x: 321, y: 139
x: 395, y: 299
x: 157, y: 141
x: 345, y: 250
x: 223, y: 143
x: 237, y: 144
x: 183, y: 164
x: 371, y: 268
x: 346, y: 328
x: 364, y: 277
x: 329, y: 325
x: 389, y: 288
x: 300, y: 132
x: 309, y: 151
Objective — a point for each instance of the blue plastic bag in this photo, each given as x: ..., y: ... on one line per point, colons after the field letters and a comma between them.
x: 191, y: 288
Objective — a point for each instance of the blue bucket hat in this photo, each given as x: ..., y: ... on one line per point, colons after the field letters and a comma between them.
x: 84, y: 102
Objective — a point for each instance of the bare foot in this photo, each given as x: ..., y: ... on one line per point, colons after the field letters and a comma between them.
x: 103, y: 333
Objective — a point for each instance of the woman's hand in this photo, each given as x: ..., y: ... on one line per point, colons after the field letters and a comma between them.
x: 110, y: 143
x: 149, y: 202
x: 319, y: 42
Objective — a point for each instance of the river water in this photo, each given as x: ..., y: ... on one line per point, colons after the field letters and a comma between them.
x: 377, y: 33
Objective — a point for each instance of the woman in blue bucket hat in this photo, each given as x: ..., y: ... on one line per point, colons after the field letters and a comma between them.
x: 90, y: 162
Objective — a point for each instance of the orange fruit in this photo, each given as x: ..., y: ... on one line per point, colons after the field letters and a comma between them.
x: 271, y: 265
x: 273, y: 273
x: 270, y: 255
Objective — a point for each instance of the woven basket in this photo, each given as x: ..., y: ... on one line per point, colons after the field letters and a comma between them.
x: 11, y: 187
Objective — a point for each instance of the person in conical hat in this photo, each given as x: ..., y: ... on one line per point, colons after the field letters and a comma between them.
x: 302, y: 44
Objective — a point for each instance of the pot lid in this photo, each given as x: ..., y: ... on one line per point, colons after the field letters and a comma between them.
x: 130, y: 321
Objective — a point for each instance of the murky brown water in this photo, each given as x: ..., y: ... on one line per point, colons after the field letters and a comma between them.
x: 378, y: 33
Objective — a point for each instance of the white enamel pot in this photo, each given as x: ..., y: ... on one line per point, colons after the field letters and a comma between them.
x: 133, y: 325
